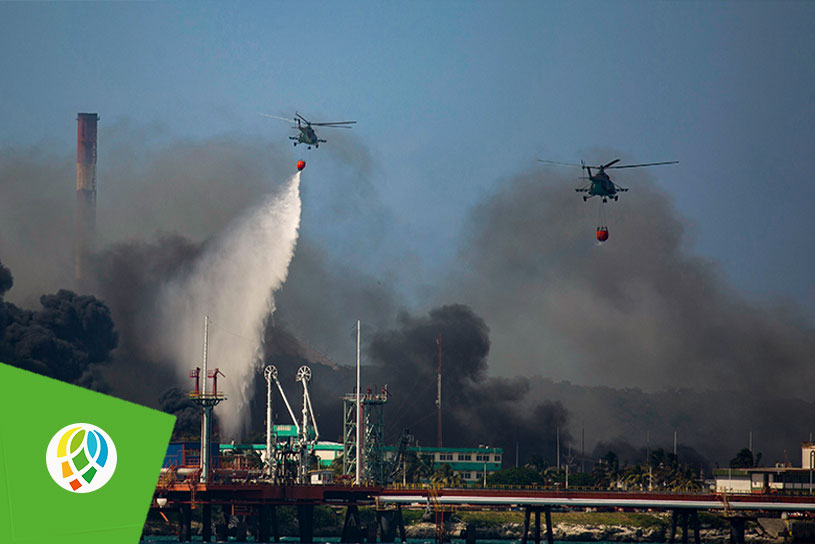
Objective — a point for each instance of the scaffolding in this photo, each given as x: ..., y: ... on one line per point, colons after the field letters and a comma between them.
x: 372, y: 454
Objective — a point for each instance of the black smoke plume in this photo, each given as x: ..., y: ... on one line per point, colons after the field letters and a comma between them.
x: 650, y: 334
x: 69, y: 338
x: 477, y: 408
x: 640, y: 310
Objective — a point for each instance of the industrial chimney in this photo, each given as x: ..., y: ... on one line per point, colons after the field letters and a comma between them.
x: 85, y: 225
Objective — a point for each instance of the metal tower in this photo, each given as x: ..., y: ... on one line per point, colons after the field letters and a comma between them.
x: 270, y: 373
x: 309, y: 434
x: 373, y: 442
x: 207, y: 401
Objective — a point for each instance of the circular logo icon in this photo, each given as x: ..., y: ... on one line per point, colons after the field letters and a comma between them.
x: 81, y: 458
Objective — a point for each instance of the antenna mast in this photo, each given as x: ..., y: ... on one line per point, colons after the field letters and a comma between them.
x: 359, y: 415
x: 438, y: 393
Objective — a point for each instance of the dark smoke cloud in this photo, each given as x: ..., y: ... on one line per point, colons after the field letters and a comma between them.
x: 629, y: 455
x: 640, y: 310
x: 130, y: 277
x: 477, y: 408
x: 67, y: 339
x: 324, y: 296
x: 148, y: 184
x: 177, y: 401
x: 38, y: 191
x: 715, y: 423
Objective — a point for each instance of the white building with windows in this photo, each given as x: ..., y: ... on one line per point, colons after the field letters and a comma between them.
x: 469, y: 463
x: 770, y: 479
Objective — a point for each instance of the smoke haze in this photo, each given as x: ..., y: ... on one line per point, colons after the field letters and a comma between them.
x: 541, y: 328
x: 638, y: 311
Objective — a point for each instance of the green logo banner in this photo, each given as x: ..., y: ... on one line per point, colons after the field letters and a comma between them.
x: 76, y: 467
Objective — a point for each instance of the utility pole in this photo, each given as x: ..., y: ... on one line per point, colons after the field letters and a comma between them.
x: 583, y: 448
x: 206, y: 422
x: 207, y: 401
x: 359, y: 415
x: 438, y: 394
x: 271, y: 438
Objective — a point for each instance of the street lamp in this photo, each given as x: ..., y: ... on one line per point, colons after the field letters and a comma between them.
x: 486, y: 458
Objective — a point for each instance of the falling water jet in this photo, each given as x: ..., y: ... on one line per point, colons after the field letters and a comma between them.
x: 233, y: 282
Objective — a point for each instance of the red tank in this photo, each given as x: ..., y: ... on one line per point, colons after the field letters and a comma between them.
x: 301, y: 165
x: 602, y: 234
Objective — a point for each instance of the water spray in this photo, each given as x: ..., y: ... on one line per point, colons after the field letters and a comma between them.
x: 233, y: 282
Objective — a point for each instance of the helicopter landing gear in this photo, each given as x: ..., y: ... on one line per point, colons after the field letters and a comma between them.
x: 584, y: 198
x: 615, y: 198
x: 605, y: 200
x: 309, y: 147
x: 316, y: 146
x: 294, y: 144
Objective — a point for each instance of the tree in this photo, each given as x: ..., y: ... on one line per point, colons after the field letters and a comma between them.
x: 445, y: 477
x: 636, y: 477
x: 418, y: 468
x: 514, y: 476
x: 336, y: 466
x: 744, y: 459
x: 607, y: 471
x: 536, y: 463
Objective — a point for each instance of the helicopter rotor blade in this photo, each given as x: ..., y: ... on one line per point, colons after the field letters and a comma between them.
x: 615, y: 161
x: 298, y: 116
x: 560, y: 163
x: 336, y: 124
x: 644, y: 164
x: 276, y: 117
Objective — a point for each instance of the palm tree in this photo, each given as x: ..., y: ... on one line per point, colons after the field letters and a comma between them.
x: 536, y: 463
x: 635, y: 477
x: 445, y: 477
x: 744, y: 459
x: 607, y: 471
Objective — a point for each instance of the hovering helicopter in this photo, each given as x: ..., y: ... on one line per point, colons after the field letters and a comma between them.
x: 307, y: 135
x: 600, y: 183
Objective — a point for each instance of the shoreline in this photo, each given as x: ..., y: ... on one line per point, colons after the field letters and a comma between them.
x: 563, y: 532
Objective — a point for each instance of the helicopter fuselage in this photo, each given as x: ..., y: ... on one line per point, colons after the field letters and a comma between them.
x: 601, y: 185
x: 307, y: 136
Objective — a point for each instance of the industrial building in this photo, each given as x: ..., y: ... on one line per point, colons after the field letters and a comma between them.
x: 780, y: 478
x: 294, y: 452
x: 471, y: 464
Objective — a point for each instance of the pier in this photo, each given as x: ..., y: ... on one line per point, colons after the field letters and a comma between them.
x: 255, y: 503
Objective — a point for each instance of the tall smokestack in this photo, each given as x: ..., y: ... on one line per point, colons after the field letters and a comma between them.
x: 85, y: 225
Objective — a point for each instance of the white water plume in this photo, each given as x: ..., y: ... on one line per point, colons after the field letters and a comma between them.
x: 233, y: 283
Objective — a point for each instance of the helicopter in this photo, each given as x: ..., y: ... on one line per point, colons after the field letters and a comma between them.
x: 307, y: 135
x: 600, y: 184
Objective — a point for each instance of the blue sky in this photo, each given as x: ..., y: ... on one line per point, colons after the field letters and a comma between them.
x: 452, y: 98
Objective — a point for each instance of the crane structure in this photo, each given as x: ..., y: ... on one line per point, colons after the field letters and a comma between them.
x: 280, y: 458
